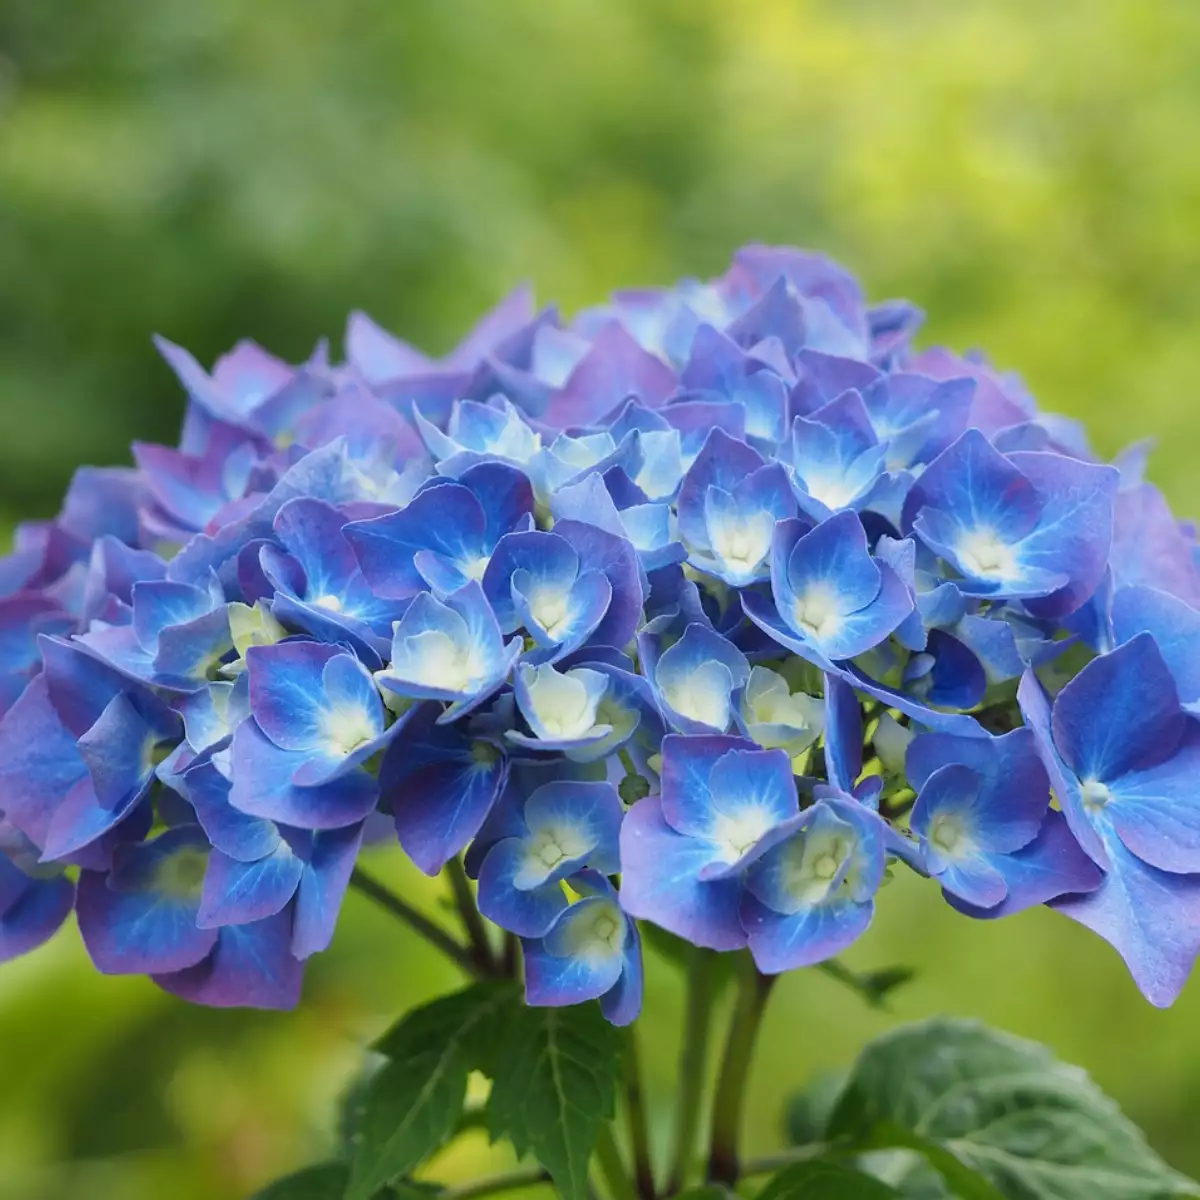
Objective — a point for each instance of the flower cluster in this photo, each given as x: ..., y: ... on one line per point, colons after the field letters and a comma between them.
x: 698, y: 610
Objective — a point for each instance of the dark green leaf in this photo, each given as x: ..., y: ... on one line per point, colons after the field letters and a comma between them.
x: 414, y: 1102
x: 325, y: 1181
x: 633, y: 788
x: 554, y: 1087
x: 820, y: 1180
x: 997, y: 1117
x: 808, y: 1112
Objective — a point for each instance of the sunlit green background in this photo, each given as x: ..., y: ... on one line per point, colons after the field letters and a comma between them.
x: 211, y: 169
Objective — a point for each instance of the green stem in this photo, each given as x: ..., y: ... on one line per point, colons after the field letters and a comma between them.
x: 693, y: 1055
x: 612, y: 1165
x: 768, y: 1164
x: 735, y: 1067
x: 493, y: 1185
x: 417, y: 921
x: 639, y: 1130
x: 468, y: 910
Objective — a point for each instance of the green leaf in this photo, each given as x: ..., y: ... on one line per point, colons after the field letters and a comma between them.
x: 325, y: 1181
x: 873, y: 986
x: 413, y: 1103
x: 554, y: 1087
x: 821, y: 1180
x: 808, y: 1112
x: 998, y: 1117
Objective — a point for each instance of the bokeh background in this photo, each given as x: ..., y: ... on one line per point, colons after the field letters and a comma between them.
x: 1026, y: 171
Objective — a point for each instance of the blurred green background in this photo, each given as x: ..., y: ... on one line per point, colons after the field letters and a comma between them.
x: 213, y: 170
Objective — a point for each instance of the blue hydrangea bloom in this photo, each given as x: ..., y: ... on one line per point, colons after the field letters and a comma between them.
x: 721, y: 591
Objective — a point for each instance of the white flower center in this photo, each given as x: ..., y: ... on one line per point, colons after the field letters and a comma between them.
x: 330, y: 603
x: 984, y: 555
x: 738, y: 834
x: 349, y: 728
x: 816, y: 611
x: 946, y: 832
x: 1095, y: 795
x: 475, y: 568
x: 439, y: 661
x: 550, y: 608
x: 742, y: 545
x: 562, y: 703
x: 702, y: 696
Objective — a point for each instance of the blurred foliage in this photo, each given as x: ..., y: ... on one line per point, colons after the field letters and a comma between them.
x: 223, y: 169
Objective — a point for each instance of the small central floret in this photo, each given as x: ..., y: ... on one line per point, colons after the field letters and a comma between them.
x: 1095, y: 795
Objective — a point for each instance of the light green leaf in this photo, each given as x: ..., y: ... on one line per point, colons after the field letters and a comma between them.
x: 980, y: 1105
x: 414, y: 1102
x: 820, y: 1180
x: 554, y: 1087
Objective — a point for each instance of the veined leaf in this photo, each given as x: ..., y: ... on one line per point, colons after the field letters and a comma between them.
x: 554, y: 1087
x: 413, y: 1103
x: 986, y: 1108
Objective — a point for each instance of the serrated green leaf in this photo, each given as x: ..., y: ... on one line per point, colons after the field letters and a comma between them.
x: 413, y: 1103
x: 821, y: 1180
x: 324, y: 1181
x: 983, y: 1107
x: 554, y: 1087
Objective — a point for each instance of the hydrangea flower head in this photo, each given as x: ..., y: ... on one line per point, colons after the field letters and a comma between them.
x: 702, y: 608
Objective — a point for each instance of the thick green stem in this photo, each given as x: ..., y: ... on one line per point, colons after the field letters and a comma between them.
x: 493, y: 1185
x: 468, y: 911
x: 639, y: 1130
x: 735, y: 1067
x: 415, y: 920
x: 693, y: 1056
x: 612, y: 1165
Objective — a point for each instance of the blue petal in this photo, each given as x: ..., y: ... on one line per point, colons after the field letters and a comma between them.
x: 236, y: 893
x: 723, y: 462
x: 251, y: 966
x: 1150, y: 917
x: 843, y: 734
x: 695, y: 678
x: 323, y: 887
x: 548, y: 559
x: 1155, y: 811
x: 1121, y: 712
x: 287, y: 693
x: 231, y: 831
x: 1035, y: 708
x: 1175, y: 626
x: 976, y: 486
x: 262, y: 786
x: 812, y: 935
x: 660, y: 881
x: 1074, y: 530
x: 447, y: 519
x: 143, y: 918
x: 1052, y: 865
x: 529, y: 912
x: 440, y: 786
x: 833, y: 555
x: 33, y: 917
x: 557, y: 972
